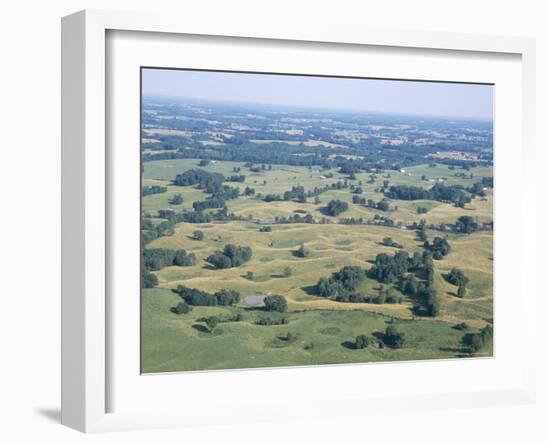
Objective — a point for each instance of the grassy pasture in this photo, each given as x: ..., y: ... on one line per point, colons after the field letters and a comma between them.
x: 281, y: 178
x: 178, y: 342
x: 171, y: 343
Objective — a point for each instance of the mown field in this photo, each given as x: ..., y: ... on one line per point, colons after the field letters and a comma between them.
x: 322, y: 328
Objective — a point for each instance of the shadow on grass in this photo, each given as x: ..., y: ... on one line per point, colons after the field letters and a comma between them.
x: 201, y: 328
x: 310, y: 289
x: 349, y: 345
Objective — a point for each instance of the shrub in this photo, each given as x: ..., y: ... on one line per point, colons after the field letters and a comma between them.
x: 336, y: 207
x: 198, y: 235
x: 393, y: 337
x: 181, y: 309
x: 275, y: 303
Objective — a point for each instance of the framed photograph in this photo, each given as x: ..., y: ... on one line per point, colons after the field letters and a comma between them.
x: 263, y: 222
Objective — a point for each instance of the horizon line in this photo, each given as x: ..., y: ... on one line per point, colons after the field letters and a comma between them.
x: 305, y: 107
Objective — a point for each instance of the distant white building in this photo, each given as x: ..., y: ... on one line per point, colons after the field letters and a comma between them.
x: 315, y: 170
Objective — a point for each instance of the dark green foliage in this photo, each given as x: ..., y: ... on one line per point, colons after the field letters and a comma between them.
x: 198, y: 235
x: 148, y: 279
x: 236, y: 179
x: 202, y: 179
x: 181, y: 309
x: 421, y: 210
x: 343, y: 282
x: 210, y: 203
x: 393, y: 337
x: 227, y: 297
x: 387, y: 241
x: 176, y: 199
x: 461, y: 326
x: 361, y: 342
x: 156, y: 259
x: 388, y: 269
x: 287, y: 271
x: 302, y: 252
x: 439, y: 248
x: 297, y: 193
x: 212, y: 322
x: 199, y: 297
x: 461, y: 292
x: 249, y: 275
x: 204, y: 163
x: 182, y: 259
x: 152, y: 190
x: 271, y: 320
x: 475, y: 341
x: 275, y: 303
x: 457, y: 277
x: 438, y: 192
x: 195, y: 296
x: 249, y: 191
x: 266, y: 229
x: 336, y: 207
x: 466, y: 224
x: 231, y: 256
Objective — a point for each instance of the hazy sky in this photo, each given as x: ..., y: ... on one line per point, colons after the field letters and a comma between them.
x: 407, y: 97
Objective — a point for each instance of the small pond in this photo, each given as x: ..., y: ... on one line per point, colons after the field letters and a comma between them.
x: 254, y: 299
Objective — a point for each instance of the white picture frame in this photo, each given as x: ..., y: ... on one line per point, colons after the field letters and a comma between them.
x: 85, y: 210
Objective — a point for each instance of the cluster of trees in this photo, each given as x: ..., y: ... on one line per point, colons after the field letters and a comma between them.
x: 176, y: 199
x: 275, y: 303
x: 236, y: 179
x: 466, y: 224
x: 148, y: 279
x: 202, y: 298
x: 265, y: 229
x: 364, y: 341
x: 156, y: 259
x: 230, y: 256
x: 389, y: 269
x: 383, y: 205
x: 152, y: 190
x: 440, y: 247
x: 209, y: 181
x: 439, y: 192
x: 476, y: 341
x: 389, y: 242
x: 458, y: 278
x: 271, y: 320
x: 336, y: 207
x: 346, y: 281
x: 297, y: 193
x: 405, y: 271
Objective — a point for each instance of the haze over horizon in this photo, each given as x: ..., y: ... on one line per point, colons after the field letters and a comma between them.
x: 449, y: 100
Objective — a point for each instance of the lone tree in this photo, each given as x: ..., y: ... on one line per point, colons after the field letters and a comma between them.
x: 394, y: 338
x: 198, y: 235
x: 287, y: 271
x: 461, y: 292
x: 212, y: 322
x: 302, y: 252
x: 181, y: 309
x: 275, y: 303
x: 361, y: 341
x: 176, y: 199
